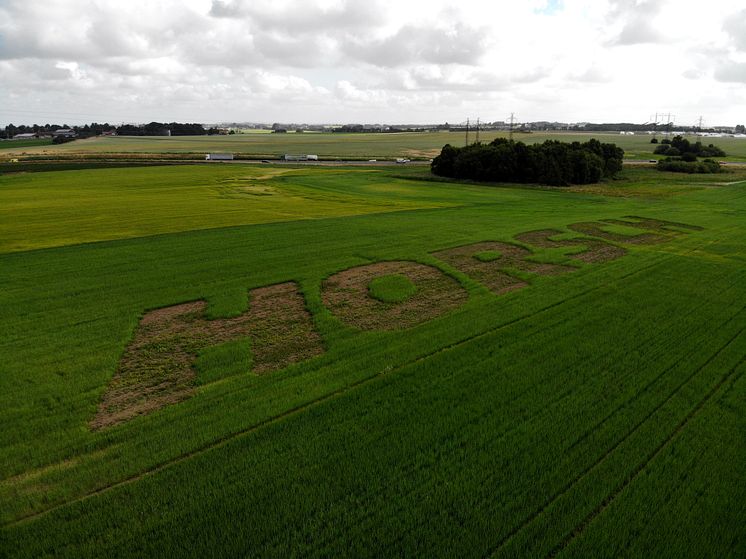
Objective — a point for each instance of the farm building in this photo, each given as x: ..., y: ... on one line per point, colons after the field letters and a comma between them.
x: 290, y: 157
x: 219, y: 157
x: 26, y: 136
x: 64, y: 133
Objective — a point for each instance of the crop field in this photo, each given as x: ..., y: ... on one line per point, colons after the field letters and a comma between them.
x: 277, y: 361
x: 423, y: 145
x: 16, y: 145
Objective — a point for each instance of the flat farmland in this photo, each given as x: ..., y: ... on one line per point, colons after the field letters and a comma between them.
x: 423, y: 145
x: 274, y: 362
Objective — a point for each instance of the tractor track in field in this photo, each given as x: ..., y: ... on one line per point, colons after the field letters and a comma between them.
x: 222, y: 441
x: 647, y: 386
x: 578, y: 530
x: 588, y: 470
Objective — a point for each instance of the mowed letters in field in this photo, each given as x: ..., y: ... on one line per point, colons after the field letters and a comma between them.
x: 274, y: 362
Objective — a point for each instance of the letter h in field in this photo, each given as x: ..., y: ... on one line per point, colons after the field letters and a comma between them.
x: 157, y: 368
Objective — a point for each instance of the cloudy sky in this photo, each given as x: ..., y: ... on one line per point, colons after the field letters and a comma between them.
x: 371, y: 61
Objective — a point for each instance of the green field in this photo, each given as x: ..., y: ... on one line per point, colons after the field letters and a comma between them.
x: 17, y: 145
x: 593, y: 408
x: 423, y: 145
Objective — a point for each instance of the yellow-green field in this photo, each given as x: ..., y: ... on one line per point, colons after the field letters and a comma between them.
x: 47, y: 209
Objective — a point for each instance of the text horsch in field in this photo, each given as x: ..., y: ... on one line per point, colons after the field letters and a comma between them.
x: 157, y: 367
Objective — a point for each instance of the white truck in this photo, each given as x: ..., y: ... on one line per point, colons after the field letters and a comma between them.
x: 291, y: 157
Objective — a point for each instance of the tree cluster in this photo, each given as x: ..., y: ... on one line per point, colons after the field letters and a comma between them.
x: 681, y: 147
x: 682, y: 156
x: 163, y: 129
x: 552, y: 162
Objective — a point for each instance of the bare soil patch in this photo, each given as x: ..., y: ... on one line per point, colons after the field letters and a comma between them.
x: 655, y: 224
x: 595, y: 250
x: 157, y: 368
x: 492, y: 272
x: 596, y: 229
x: 281, y: 330
x: 664, y: 229
x: 346, y: 295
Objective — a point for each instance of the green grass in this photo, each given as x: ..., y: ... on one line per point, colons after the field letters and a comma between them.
x: 487, y: 256
x: 15, y: 145
x: 422, y: 145
x: 73, y: 165
x: 225, y: 360
x: 393, y: 288
x: 596, y: 413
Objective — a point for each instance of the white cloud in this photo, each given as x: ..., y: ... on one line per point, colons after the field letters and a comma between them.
x: 731, y: 72
x: 639, y: 20
x: 735, y: 26
x: 455, y: 44
x: 371, y: 61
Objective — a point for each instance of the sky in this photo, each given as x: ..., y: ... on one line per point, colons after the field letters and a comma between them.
x: 372, y: 61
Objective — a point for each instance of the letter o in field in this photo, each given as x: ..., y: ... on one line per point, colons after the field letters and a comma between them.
x: 348, y: 295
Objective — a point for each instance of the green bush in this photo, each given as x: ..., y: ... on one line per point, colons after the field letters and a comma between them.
x: 678, y: 165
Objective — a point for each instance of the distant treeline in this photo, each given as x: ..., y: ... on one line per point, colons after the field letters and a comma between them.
x: 618, y: 127
x: 360, y: 128
x: 96, y: 129
x: 164, y: 129
x: 93, y: 129
x: 552, y: 162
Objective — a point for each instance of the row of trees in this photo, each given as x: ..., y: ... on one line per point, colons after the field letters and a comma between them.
x: 93, y: 129
x: 552, y: 162
x: 96, y: 129
x: 163, y: 129
x: 361, y: 128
